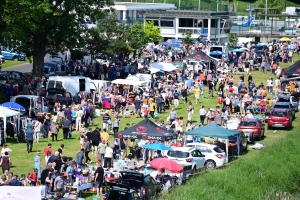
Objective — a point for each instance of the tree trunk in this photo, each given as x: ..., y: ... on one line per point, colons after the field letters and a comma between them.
x: 39, y: 52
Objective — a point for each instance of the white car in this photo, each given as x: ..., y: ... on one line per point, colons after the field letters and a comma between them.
x: 214, y: 155
x: 188, y: 156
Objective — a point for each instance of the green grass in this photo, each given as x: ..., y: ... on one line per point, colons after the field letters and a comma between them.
x: 271, y: 173
x: 11, y: 63
x: 23, y: 161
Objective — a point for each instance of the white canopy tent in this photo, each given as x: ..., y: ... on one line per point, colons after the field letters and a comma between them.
x: 163, y: 66
x: 6, y: 112
x: 128, y: 82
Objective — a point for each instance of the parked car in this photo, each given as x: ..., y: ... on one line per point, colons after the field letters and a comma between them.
x: 259, y: 55
x: 290, y: 99
x: 15, y: 75
x: 120, y: 191
x: 54, y: 67
x: 284, y: 105
x: 13, y: 55
x: 280, y: 118
x: 188, y: 155
x: 253, y: 125
x: 145, y: 185
x: 214, y: 155
x: 243, y: 141
x: 3, y: 80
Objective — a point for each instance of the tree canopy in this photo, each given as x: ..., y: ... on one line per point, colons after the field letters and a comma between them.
x: 47, y: 26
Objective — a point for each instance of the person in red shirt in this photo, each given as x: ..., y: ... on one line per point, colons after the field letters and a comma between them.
x: 32, y: 177
x: 48, y: 149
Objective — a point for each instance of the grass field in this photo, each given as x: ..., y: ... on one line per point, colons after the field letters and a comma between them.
x: 23, y: 161
x: 12, y: 63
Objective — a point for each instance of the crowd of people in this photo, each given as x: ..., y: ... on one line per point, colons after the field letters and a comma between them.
x: 164, y: 96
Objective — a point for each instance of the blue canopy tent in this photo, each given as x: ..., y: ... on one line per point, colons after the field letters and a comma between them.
x: 157, y: 146
x: 238, y: 50
x: 214, y: 130
x: 13, y: 106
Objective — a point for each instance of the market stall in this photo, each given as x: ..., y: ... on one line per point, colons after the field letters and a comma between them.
x: 4, y: 114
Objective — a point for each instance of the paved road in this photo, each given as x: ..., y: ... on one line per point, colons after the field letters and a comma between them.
x: 24, y: 67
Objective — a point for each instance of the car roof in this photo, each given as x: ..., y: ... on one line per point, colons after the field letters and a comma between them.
x: 202, y: 144
x: 282, y: 103
x: 184, y: 149
x: 249, y: 120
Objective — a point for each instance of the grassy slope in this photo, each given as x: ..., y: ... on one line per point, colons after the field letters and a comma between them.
x: 256, y: 175
x: 23, y: 162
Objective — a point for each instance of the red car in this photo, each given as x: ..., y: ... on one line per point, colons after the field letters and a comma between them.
x: 253, y: 125
x: 280, y: 118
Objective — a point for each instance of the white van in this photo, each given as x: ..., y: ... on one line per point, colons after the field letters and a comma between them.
x: 72, y: 84
x: 30, y: 102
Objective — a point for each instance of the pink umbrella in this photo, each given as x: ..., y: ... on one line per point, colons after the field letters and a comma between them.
x: 167, y: 164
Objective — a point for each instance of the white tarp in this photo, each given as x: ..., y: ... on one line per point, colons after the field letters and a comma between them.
x: 127, y: 82
x: 20, y: 193
x: 6, y: 112
x: 163, y: 66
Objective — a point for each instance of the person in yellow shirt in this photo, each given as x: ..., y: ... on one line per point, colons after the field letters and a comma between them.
x: 292, y: 87
x: 152, y: 108
x: 197, y: 94
x: 104, y: 135
x: 263, y: 93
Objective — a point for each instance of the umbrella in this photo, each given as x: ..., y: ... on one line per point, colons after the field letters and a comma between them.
x: 164, y: 66
x: 153, y: 70
x: 285, y: 39
x: 13, y: 106
x: 263, y: 44
x: 56, y: 97
x: 165, y: 163
x: 217, y: 53
x: 157, y: 146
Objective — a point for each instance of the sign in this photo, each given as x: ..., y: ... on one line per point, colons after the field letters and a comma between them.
x: 198, y: 57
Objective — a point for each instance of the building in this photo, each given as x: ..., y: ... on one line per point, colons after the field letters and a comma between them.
x: 213, y: 25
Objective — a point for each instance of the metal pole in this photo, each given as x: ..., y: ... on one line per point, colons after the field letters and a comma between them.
x: 216, y: 26
x: 178, y: 4
x: 199, y: 1
x: 266, y: 12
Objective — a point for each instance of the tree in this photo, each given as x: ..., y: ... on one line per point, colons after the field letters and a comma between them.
x: 152, y: 32
x: 278, y: 4
x: 137, y: 36
x: 187, y: 37
x: 232, y: 39
x: 48, y: 26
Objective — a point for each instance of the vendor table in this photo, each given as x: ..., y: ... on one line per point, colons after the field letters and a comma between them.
x: 84, y: 186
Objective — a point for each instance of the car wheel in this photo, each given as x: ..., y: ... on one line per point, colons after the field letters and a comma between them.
x: 194, y: 170
x: 252, y: 139
x: 210, y: 164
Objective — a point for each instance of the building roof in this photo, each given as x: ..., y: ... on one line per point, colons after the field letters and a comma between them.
x: 142, y: 6
x: 185, y: 13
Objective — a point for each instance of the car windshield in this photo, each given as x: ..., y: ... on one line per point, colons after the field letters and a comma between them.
x: 246, y: 123
x: 282, y: 99
x: 282, y: 106
x: 178, y: 154
x: 278, y: 114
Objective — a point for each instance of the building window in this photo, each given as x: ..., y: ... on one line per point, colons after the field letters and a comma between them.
x: 167, y: 23
x: 185, y: 22
x: 155, y: 22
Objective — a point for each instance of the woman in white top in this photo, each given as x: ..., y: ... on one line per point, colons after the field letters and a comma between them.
x: 5, y: 149
x: 108, y: 155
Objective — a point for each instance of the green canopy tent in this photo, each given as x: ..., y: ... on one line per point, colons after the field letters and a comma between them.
x: 214, y: 130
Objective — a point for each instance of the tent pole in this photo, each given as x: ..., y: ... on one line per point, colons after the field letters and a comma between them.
x: 4, y: 121
x: 18, y: 128
x: 227, y: 150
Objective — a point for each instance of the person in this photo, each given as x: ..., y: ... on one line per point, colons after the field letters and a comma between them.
x: 59, y: 183
x: 156, y: 174
x: 29, y: 138
x: 54, y: 129
x: 37, y: 163
x: 87, y: 149
x: 95, y: 139
x: 173, y: 115
x: 32, y: 177
x: 60, y: 149
x: 108, y: 155
x: 70, y: 173
x: 66, y: 125
x: 37, y: 129
x: 102, y: 147
x: 14, y: 181
x: 116, y: 124
x: 104, y: 135
x: 86, y: 115
x: 106, y: 119
x: 47, y: 151
x: 23, y: 180
x: 5, y: 149
x: 5, y: 162
x: 202, y: 113
x: 79, y: 158
x: 79, y: 114
x: 99, y: 176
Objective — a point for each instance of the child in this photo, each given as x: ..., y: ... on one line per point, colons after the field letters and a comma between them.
x: 81, y: 140
x: 146, y: 112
